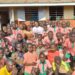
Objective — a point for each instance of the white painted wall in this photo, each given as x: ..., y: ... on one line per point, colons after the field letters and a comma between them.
x: 43, y: 13
x: 68, y: 12
x: 11, y: 15
x: 20, y: 14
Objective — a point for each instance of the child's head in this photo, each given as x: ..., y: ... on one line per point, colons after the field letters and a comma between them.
x: 53, y: 47
x: 21, y: 26
x: 59, y: 35
x: 45, y: 27
x: 19, y: 37
x: 34, y: 47
x: 30, y: 47
x: 42, y: 57
x: 57, y: 60
x: 4, y: 29
x: 53, y: 24
x: 39, y: 36
x: 40, y: 43
x: 36, y: 24
x: 6, y: 51
x: 72, y: 36
x: 19, y: 47
x: 9, y: 30
x: 1, y: 52
x: 73, y: 29
x: 50, y: 35
x: 9, y: 65
x: 63, y: 24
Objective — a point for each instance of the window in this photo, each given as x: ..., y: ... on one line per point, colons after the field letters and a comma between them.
x: 31, y: 14
x: 56, y: 13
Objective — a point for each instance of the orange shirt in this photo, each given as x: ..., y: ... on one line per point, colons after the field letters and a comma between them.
x: 70, y: 46
x: 51, y: 55
x: 29, y: 34
x: 73, y: 73
x: 47, y: 41
x: 30, y: 58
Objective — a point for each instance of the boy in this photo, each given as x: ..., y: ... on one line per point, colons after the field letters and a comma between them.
x: 43, y: 65
x: 59, y: 66
x: 30, y: 59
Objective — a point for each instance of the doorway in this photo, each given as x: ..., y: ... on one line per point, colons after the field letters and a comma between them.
x: 4, y: 18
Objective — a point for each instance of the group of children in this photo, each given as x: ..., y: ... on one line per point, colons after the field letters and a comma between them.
x: 39, y: 48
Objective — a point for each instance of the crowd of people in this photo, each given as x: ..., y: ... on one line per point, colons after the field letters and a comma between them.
x: 40, y: 48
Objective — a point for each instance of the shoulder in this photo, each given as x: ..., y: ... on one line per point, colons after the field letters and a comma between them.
x: 38, y: 61
x: 26, y: 54
x: 2, y: 69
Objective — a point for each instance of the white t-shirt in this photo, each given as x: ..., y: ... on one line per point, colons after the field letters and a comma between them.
x: 38, y: 30
x: 35, y: 29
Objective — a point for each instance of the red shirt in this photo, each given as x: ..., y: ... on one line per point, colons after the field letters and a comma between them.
x: 51, y: 55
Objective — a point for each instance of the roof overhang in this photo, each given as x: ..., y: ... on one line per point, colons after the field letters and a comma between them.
x: 37, y: 4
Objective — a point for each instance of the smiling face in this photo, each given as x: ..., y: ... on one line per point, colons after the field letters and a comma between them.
x: 19, y: 47
x: 42, y: 57
x: 9, y: 65
x: 19, y: 37
x: 72, y: 37
x: 34, y: 47
x: 50, y: 35
x: 59, y: 35
x: 9, y: 30
x: 30, y: 48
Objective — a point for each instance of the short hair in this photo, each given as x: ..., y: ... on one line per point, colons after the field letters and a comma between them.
x: 29, y: 44
x: 57, y: 58
x: 1, y: 48
x: 42, y: 54
x: 50, y: 32
x: 9, y: 61
x: 73, y: 29
x: 71, y: 33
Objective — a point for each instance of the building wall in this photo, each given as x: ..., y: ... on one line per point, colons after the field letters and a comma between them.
x: 20, y: 14
x: 68, y: 12
x: 11, y: 14
x: 43, y: 13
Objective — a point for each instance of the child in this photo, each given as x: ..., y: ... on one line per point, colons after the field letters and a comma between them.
x: 43, y: 65
x: 73, y: 69
x: 59, y: 66
x: 2, y: 60
x: 30, y: 59
x: 18, y: 57
x: 52, y: 53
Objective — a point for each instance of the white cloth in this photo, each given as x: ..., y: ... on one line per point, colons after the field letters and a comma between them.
x: 35, y: 29
x: 38, y: 30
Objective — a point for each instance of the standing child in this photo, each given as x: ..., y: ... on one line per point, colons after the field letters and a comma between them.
x: 43, y: 65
